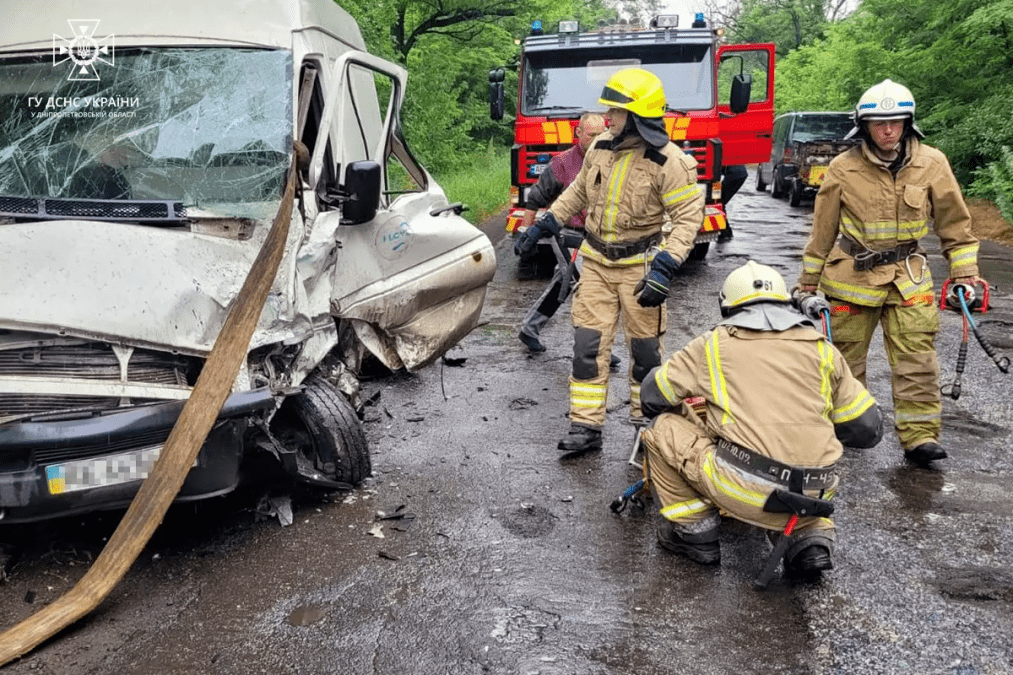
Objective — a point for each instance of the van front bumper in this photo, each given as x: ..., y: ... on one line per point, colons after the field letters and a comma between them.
x: 54, y: 466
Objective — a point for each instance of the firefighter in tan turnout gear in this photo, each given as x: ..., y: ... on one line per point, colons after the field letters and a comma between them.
x: 779, y: 402
x: 632, y: 177
x: 876, y: 203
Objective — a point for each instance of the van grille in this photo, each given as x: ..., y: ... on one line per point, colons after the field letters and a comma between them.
x: 88, y: 361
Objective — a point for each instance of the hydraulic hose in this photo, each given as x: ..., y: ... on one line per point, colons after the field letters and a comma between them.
x: 1002, y: 363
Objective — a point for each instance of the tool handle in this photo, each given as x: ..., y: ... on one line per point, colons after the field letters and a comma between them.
x: 953, y: 390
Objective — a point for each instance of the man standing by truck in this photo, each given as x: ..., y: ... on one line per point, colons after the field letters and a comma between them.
x: 631, y: 179
x: 554, y: 179
x: 880, y: 197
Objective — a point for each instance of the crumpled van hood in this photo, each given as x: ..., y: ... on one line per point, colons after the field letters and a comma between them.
x: 141, y: 285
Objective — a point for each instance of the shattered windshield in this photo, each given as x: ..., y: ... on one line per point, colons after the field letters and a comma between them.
x: 211, y: 128
x: 572, y: 79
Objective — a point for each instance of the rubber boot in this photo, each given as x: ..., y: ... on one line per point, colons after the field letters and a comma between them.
x: 925, y: 453
x: 702, y: 547
x: 532, y: 343
x: 580, y: 439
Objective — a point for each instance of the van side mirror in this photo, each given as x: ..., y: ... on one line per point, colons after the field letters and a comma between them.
x: 742, y: 85
x: 496, y: 77
x: 362, y: 192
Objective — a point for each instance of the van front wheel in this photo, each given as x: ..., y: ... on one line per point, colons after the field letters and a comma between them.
x: 321, y: 425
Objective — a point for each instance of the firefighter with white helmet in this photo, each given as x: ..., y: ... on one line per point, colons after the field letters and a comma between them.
x: 779, y: 402
x: 877, y: 201
x: 631, y: 179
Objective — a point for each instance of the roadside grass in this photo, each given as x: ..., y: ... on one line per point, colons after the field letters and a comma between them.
x: 482, y: 183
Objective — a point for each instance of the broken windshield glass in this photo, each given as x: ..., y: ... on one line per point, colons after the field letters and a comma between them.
x: 211, y: 128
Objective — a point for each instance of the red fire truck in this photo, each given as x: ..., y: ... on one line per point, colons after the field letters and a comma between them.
x: 720, y: 99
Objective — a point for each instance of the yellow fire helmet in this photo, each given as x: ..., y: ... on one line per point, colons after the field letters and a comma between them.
x: 636, y: 90
x: 750, y: 284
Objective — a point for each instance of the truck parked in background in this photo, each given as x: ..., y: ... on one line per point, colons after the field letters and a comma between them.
x: 720, y: 99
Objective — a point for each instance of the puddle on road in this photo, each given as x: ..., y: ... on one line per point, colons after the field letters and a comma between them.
x: 976, y: 583
x: 965, y: 424
x: 915, y: 487
x: 306, y: 615
x: 529, y: 521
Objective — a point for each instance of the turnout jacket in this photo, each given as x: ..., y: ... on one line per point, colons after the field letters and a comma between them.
x: 788, y: 395
x: 628, y: 187
x: 861, y: 199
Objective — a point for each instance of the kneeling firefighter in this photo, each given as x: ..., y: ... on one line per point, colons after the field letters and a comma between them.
x: 632, y: 177
x: 780, y: 401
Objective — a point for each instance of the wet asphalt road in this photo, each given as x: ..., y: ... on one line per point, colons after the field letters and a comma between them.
x: 500, y: 558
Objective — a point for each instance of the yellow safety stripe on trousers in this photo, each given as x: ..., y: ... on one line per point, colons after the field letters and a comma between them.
x: 965, y: 255
x: 680, y: 510
x: 590, y: 254
x: 853, y: 410
x: 826, y: 370
x: 635, y: 395
x: 908, y: 288
x: 679, y: 194
x: 884, y: 229
x: 733, y: 490
x: 585, y: 395
x: 916, y: 417
x: 664, y: 386
x: 718, y: 385
x: 620, y: 171
x: 812, y: 265
x: 860, y: 295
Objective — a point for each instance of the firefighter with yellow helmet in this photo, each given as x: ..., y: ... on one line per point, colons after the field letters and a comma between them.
x: 779, y: 402
x: 876, y: 203
x: 631, y: 179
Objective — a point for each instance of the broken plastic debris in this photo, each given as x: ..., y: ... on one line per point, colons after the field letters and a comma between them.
x: 377, y: 531
x: 388, y: 556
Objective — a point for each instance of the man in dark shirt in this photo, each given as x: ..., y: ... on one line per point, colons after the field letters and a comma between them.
x: 557, y: 176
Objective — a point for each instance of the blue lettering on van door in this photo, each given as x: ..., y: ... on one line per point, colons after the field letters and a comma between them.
x: 394, y: 238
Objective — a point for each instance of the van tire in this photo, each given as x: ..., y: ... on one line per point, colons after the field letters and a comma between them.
x: 795, y: 192
x: 776, y: 190
x: 760, y: 185
x: 322, y: 424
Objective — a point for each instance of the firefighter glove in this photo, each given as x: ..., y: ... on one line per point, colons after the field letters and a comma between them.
x: 810, y: 304
x: 546, y: 226
x: 652, y: 290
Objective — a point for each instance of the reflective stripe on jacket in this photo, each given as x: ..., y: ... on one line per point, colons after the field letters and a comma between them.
x: 628, y: 190
x: 864, y: 201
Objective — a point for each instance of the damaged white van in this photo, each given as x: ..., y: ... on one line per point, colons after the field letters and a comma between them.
x: 143, y: 151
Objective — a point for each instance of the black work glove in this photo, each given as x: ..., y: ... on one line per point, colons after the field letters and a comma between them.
x: 652, y: 290
x: 546, y: 226
x: 810, y: 304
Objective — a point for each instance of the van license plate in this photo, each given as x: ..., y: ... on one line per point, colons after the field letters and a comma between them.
x: 817, y: 174
x: 84, y: 474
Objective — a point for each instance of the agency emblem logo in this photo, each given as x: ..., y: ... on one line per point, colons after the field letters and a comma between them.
x: 83, y: 50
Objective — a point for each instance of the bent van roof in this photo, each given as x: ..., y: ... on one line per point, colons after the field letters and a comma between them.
x: 254, y: 23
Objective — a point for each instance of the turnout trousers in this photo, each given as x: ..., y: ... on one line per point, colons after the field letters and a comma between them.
x: 693, y: 486
x: 909, y: 336
x: 605, y: 295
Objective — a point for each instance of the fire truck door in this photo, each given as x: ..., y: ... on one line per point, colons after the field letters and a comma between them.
x: 746, y: 136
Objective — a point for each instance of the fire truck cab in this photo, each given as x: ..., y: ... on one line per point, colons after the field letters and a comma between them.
x: 720, y: 99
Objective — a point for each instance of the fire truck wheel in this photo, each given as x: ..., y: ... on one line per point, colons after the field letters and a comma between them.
x: 795, y: 192
x: 760, y: 185
x: 699, y: 251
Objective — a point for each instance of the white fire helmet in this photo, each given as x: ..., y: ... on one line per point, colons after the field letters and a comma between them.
x: 885, y: 101
x: 750, y: 284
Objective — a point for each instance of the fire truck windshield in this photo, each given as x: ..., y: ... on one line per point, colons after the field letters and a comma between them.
x: 555, y: 81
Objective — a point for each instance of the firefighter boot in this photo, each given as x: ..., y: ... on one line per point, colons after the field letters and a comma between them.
x: 702, y: 547
x: 925, y: 453
x: 809, y: 561
x: 580, y: 439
